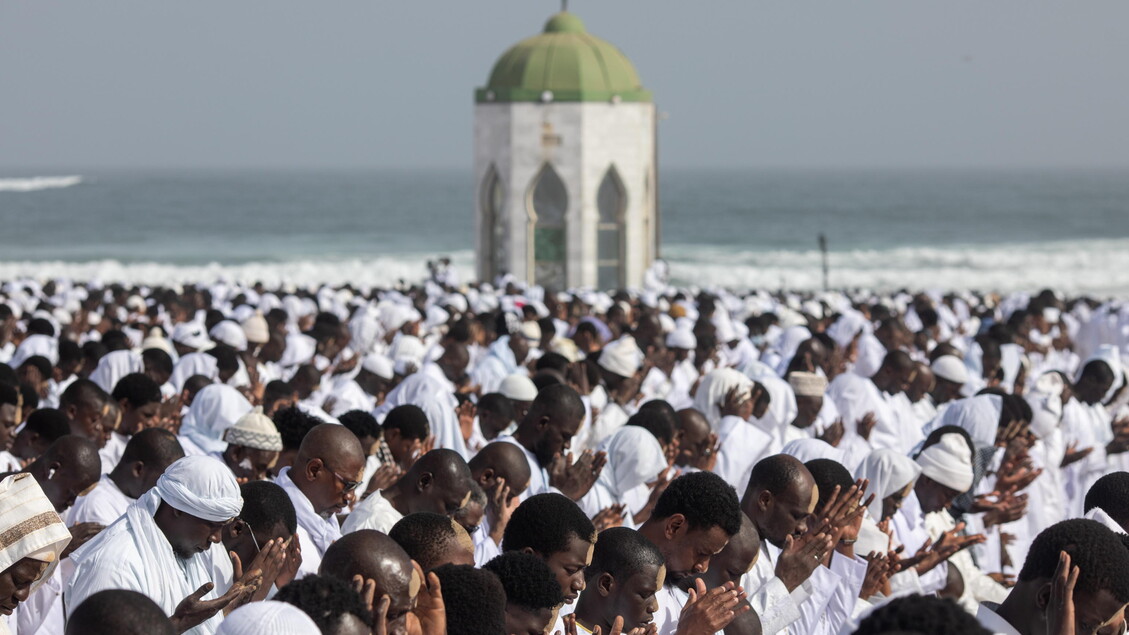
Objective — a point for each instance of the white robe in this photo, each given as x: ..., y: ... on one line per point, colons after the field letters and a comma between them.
x: 782, y: 611
x: 134, y: 554
x: 104, y: 504
x: 374, y: 512
x: 315, y: 533
x: 433, y: 393
x: 742, y: 445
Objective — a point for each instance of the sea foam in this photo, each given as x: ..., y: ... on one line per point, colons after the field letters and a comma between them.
x: 1097, y: 267
x: 37, y: 183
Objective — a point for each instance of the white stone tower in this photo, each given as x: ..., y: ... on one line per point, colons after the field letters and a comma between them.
x: 564, y: 157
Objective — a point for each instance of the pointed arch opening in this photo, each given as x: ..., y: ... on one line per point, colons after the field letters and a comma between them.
x: 494, y: 237
x: 548, y: 205
x: 611, y: 203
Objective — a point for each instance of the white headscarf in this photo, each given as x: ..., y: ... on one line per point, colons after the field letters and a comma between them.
x: 810, y: 449
x: 713, y: 390
x: 29, y: 525
x: 949, y: 462
x: 113, y: 366
x: 268, y: 618
x: 36, y: 345
x: 193, y: 364
x: 215, y: 409
x: 635, y: 457
x: 889, y: 472
x: 979, y: 416
x: 200, y: 486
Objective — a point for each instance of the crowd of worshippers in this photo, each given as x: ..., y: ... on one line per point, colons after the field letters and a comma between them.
x: 499, y: 460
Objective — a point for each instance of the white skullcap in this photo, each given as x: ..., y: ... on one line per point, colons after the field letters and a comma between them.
x: 157, y: 341
x: 378, y: 365
x: 531, y: 331
x: 268, y: 618
x: 1052, y: 314
x: 807, y: 384
x: 621, y: 357
x: 255, y: 329
x: 518, y: 388
x: 202, y: 487
x: 681, y: 338
x: 565, y: 347
x: 456, y: 302
x: 255, y: 430
x: 229, y: 333
x: 948, y: 462
x: 192, y: 335
x: 950, y: 368
x: 408, y: 348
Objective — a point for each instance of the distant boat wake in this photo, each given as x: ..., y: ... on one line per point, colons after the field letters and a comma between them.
x: 37, y: 183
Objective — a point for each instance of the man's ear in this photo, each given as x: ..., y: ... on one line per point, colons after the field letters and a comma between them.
x: 673, y: 524
x: 137, y: 469
x: 391, y: 435
x: 313, y: 468
x: 1043, y: 597
x: 487, y: 476
x: 605, y: 584
x: 764, y: 500
x: 425, y: 481
x: 544, y: 421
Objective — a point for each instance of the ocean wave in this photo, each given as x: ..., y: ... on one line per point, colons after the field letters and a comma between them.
x: 1099, y: 267
x: 36, y: 183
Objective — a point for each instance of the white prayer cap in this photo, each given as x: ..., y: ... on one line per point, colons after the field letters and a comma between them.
x: 807, y: 384
x: 1052, y: 314
x: 378, y: 365
x: 725, y: 331
x: 531, y: 331
x: 36, y: 345
x: 666, y: 323
x: 135, y: 303
x: 950, y: 368
x: 255, y: 430
x: 202, y: 487
x: 436, y: 317
x: 456, y: 302
x: 948, y: 462
x: 540, y: 308
x: 565, y: 347
x: 847, y: 327
x: 29, y: 525
x: 808, y: 449
x: 268, y: 618
x: 621, y: 357
x: 192, y: 335
x: 255, y: 329
x: 518, y: 388
x: 408, y: 347
x: 229, y: 333
x: 681, y: 338
x: 156, y: 341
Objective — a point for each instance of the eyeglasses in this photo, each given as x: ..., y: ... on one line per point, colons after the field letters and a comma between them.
x: 349, y: 485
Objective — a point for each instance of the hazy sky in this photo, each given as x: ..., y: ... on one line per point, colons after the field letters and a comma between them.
x: 352, y: 83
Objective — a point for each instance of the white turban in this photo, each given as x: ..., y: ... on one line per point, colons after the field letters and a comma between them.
x: 268, y: 618
x: 29, y: 525
x: 889, y: 472
x: 635, y: 457
x: 621, y: 357
x: 1045, y: 399
x: 948, y: 462
x: 681, y: 338
x: 950, y: 368
x: 229, y: 333
x: 192, y: 335
x: 518, y: 388
x: 979, y: 416
x: 115, y: 365
x: 202, y: 487
x: 215, y: 409
x: 378, y: 365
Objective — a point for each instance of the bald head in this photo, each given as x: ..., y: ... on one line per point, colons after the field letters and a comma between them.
x: 693, y: 435
x: 439, y: 482
x: 738, y: 556
x: 373, y: 555
x: 67, y: 469
x: 328, y: 441
x: 501, y: 460
x: 780, y: 497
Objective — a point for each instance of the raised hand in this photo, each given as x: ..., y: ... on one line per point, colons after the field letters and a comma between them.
x: 466, y: 412
x: 879, y: 569
x: 266, y: 566
x: 866, y: 425
x: 575, y: 479
x: 833, y: 434
x: 1007, y: 509
x: 708, y: 460
x: 802, y: 555
x: 499, y: 508
x: 292, y: 563
x: 193, y: 611
x: 658, y: 486
x: 429, y: 609
x: 1073, y: 454
x: 707, y: 612
x: 1060, y: 618
x: 1013, y: 430
x: 383, y: 477
x: 609, y: 517
x: 948, y: 544
x: 738, y: 403
x: 81, y: 533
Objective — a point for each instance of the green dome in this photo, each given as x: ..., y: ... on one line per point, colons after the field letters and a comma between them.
x: 566, y: 61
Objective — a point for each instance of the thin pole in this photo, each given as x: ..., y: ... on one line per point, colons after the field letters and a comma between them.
x: 823, y: 249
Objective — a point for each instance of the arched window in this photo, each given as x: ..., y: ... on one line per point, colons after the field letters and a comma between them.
x: 548, y: 203
x: 493, y: 227
x: 611, y: 201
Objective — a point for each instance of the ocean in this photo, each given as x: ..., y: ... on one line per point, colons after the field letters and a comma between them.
x: 946, y: 230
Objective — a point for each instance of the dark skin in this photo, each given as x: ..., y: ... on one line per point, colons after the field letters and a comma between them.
x: 421, y: 491
x: 187, y: 534
x: 923, y: 384
x: 687, y: 550
x: 632, y: 597
x: 807, y: 409
x: 945, y: 391
x: 405, y: 450
x: 63, y: 483
x: 694, y: 438
x: 329, y: 484
x: 932, y: 495
x: 453, y: 363
x: 237, y: 457
x: 16, y: 581
x: 568, y: 565
x: 893, y: 380
x: 237, y: 538
x: 136, y: 419
x: 1052, y: 606
x: 9, y: 419
x: 28, y: 444
x: 522, y: 621
x: 87, y: 421
x: 491, y: 423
